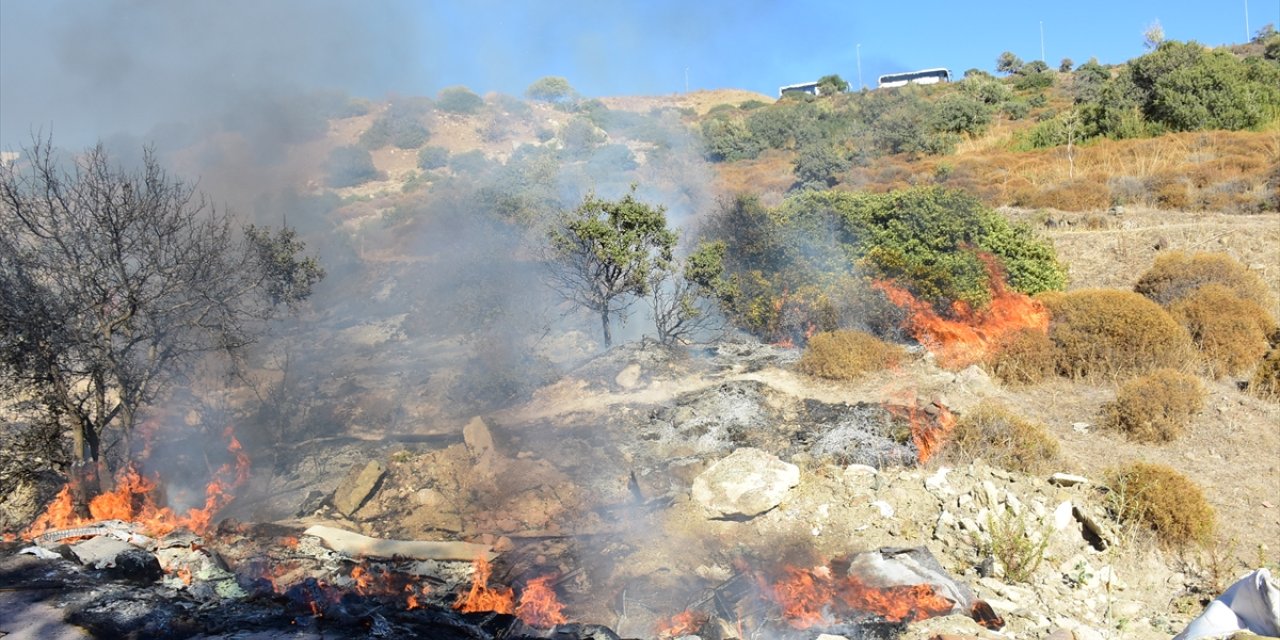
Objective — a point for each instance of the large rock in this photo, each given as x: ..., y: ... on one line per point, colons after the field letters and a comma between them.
x: 747, y: 483
x: 357, y: 487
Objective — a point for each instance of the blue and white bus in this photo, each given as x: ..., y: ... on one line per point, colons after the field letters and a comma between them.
x: 924, y: 76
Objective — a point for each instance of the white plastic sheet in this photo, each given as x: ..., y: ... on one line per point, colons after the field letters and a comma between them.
x: 1251, y: 604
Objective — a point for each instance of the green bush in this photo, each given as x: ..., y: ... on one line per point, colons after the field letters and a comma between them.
x: 816, y: 166
x: 580, y: 136
x: 1177, y: 274
x: 459, y: 100
x: 1109, y: 333
x: 1156, y: 407
x: 793, y: 262
x: 961, y: 113
x: 1033, y: 81
x: 1158, y: 497
x: 400, y: 125
x: 847, y: 355
x: 433, y: 158
x: 727, y: 139
x: 552, y: 89
x: 1230, y: 331
x: 349, y: 167
x: 993, y: 433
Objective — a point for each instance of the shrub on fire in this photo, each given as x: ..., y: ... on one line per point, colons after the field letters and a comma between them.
x: 808, y: 264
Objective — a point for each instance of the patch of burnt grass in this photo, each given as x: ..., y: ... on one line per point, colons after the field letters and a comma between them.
x: 1177, y: 274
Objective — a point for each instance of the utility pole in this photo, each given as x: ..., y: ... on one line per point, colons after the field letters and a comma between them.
x: 1247, y: 34
x: 1042, y: 41
x: 858, y: 50
x: 686, y: 79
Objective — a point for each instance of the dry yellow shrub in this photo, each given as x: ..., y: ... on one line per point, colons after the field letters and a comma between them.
x: 1230, y: 331
x: 1110, y: 333
x: 846, y: 354
x: 1156, y: 407
x: 1266, y: 378
x: 1023, y: 357
x: 1169, y: 503
x: 1002, y: 438
x: 1176, y: 274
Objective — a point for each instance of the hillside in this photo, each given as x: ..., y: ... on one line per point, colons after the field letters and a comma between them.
x: 496, y: 414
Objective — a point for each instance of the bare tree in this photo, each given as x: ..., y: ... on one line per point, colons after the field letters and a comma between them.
x: 113, y: 284
x: 682, y: 294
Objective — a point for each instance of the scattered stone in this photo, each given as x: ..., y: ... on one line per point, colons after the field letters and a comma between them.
x: 1067, y: 480
x: 1060, y: 634
x: 1080, y: 427
x: 1094, y: 532
x: 1062, y: 516
x: 937, y: 483
x: 629, y: 377
x: 745, y: 484
x: 479, y: 439
x: 357, y: 487
x: 886, y: 509
x: 119, y: 559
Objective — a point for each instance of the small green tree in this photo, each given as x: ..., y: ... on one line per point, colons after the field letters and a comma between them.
x: 350, y: 167
x: 458, y: 100
x: 552, y: 89
x: 601, y: 254
x: 1008, y: 63
x: 1153, y: 36
x: 1065, y: 65
x: 832, y: 84
x: 817, y: 166
x: 961, y: 113
x: 433, y: 158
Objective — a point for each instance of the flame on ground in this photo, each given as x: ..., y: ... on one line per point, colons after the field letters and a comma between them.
x: 539, y: 606
x: 810, y: 597
x: 133, y: 500
x: 682, y: 624
x: 966, y: 335
x: 482, y: 597
x: 930, y: 425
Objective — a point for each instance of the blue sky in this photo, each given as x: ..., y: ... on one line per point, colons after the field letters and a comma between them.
x: 91, y: 68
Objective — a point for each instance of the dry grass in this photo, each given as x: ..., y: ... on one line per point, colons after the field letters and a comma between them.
x: 1108, y: 333
x: 1266, y: 378
x: 995, y: 434
x: 1176, y: 274
x: 1156, y: 407
x: 1158, y: 497
x: 847, y: 354
x: 1023, y: 357
x: 1230, y: 331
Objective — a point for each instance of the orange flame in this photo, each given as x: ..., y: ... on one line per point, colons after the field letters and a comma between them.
x: 967, y: 335
x: 809, y: 597
x: 482, y: 597
x: 132, y: 500
x: 415, y: 592
x: 538, y: 605
x: 682, y: 624
x: 928, y: 431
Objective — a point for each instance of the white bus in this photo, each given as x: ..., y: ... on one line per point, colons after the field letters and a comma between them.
x: 924, y: 76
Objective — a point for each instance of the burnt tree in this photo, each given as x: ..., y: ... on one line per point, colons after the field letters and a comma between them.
x: 113, y: 283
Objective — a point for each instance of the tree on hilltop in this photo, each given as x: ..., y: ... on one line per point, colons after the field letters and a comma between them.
x: 831, y: 84
x: 1008, y: 63
x: 552, y: 89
